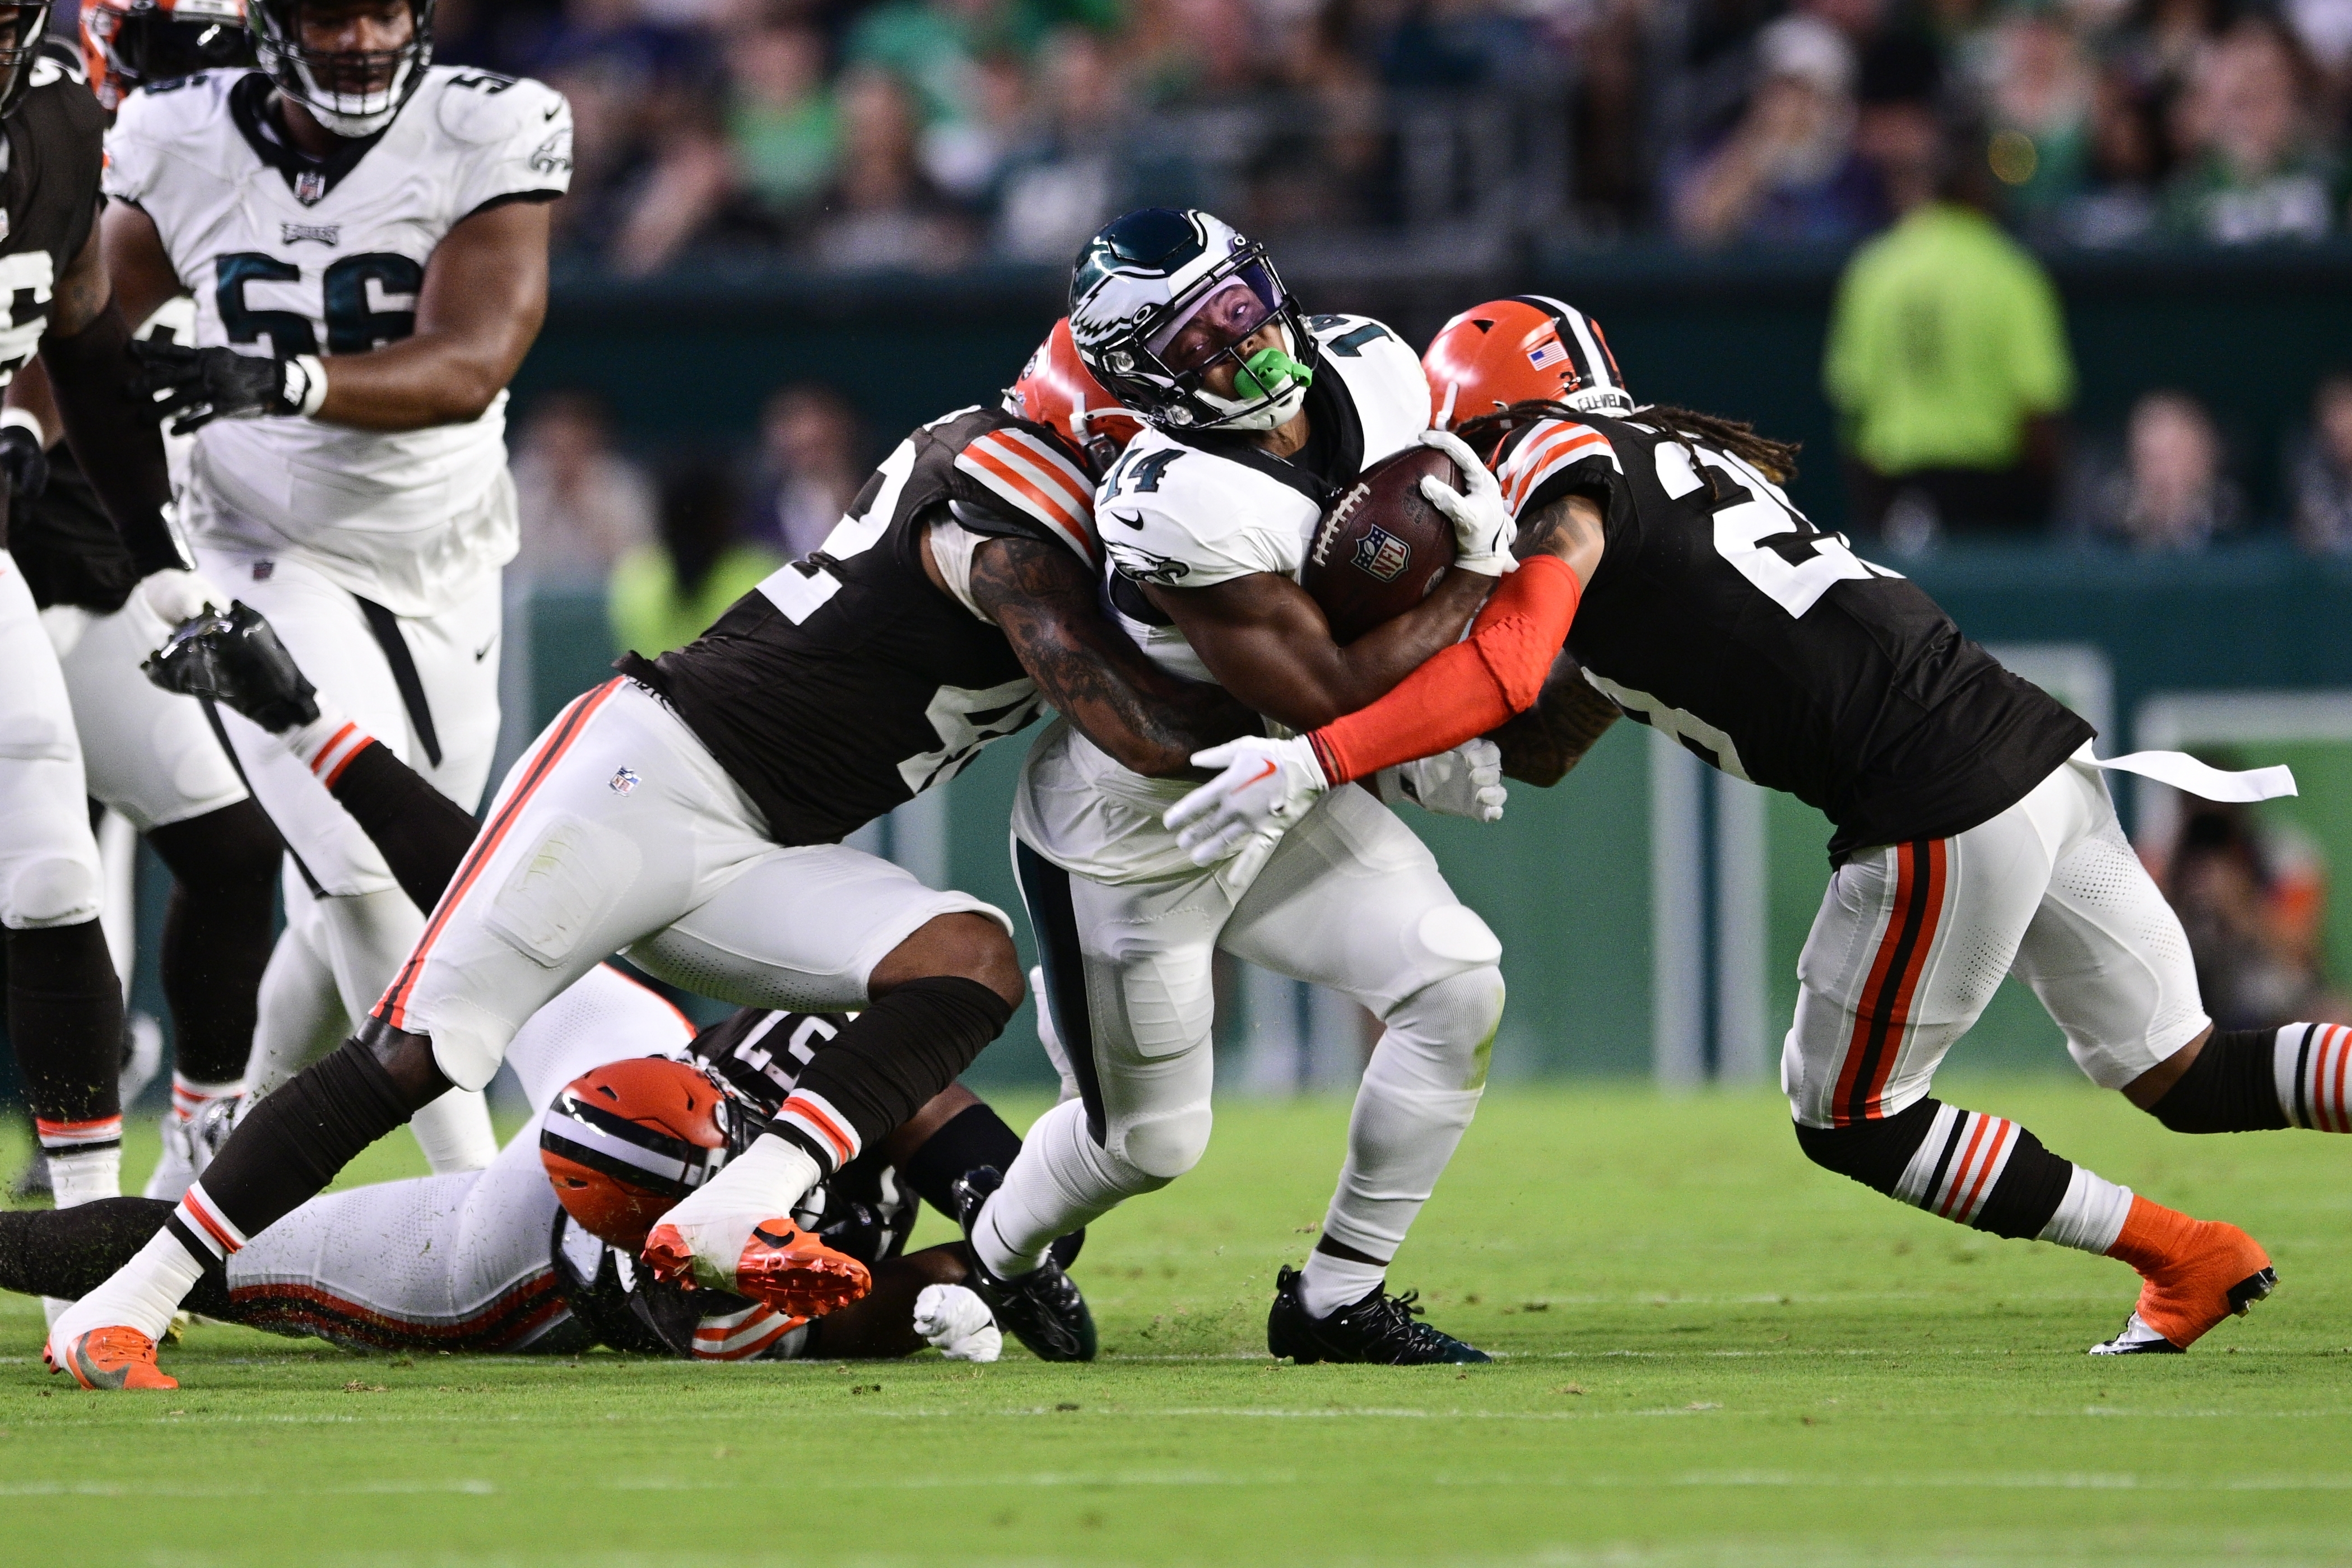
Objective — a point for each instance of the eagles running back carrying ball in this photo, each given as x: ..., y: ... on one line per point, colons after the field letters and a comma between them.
x: 1974, y: 833
x: 1257, y: 417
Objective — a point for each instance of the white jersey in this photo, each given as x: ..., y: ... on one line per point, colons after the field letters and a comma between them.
x: 1172, y: 512
x: 285, y: 257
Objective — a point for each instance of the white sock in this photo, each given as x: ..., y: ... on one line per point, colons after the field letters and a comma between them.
x: 1062, y: 1180
x: 143, y: 1294
x: 85, y: 1158
x: 1418, y: 1095
x: 772, y: 1175
x: 2091, y: 1216
x: 454, y: 1132
x: 1328, y: 1283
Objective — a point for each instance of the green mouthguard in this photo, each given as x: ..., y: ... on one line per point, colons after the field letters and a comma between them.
x: 1269, y: 372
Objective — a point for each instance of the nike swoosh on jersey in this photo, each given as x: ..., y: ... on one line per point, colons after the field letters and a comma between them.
x: 1135, y: 522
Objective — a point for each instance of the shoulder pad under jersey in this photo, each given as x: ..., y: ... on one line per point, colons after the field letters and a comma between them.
x: 1181, y: 516
x: 1021, y: 469
x: 1537, y: 454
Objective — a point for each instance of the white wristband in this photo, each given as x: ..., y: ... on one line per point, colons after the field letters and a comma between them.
x: 26, y: 419
x: 314, y: 385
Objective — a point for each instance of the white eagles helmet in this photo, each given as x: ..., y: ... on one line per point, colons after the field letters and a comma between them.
x: 352, y: 93
x: 1159, y: 297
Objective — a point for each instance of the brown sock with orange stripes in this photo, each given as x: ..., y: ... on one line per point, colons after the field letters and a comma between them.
x: 1977, y: 1170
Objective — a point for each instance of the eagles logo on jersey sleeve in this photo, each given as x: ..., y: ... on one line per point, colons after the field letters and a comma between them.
x: 1173, y: 515
x: 517, y: 133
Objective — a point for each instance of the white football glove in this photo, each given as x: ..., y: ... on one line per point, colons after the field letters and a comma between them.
x: 1466, y: 781
x: 956, y: 1323
x: 177, y: 596
x: 1483, y: 525
x: 1266, y: 786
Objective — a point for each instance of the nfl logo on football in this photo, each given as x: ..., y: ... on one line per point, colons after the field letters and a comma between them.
x: 1382, y: 554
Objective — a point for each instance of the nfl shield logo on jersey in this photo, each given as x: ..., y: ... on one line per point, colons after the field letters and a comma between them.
x: 1382, y: 554
x: 624, y: 780
x: 310, y: 187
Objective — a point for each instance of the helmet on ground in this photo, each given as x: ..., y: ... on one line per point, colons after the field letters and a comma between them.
x: 1056, y: 391
x: 22, y: 28
x: 622, y: 1144
x: 1529, y: 348
x: 1161, y: 297
x: 127, y: 44
x: 352, y: 93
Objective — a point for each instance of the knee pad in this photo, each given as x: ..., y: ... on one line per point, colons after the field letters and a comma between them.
x: 1450, y: 1026
x: 53, y: 891
x: 1163, y: 1147
x: 469, y: 1040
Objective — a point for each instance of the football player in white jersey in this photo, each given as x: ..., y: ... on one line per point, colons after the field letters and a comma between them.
x: 365, y: 237
x: 65, y: 1005
x: 150, y: 755
x: 1256, y: 418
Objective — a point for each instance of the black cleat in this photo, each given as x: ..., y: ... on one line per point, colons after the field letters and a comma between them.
x: 1380, y: 1330
x: 236, y: 660
x: 1043, y: 1309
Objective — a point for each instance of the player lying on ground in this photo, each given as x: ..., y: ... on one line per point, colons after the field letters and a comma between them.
x: 690, y: 813
x: 1257, y: 419
x: 1975, y: 836
x: 65, y: 1005
x: 629, y: 1107
x: 465, y: 1260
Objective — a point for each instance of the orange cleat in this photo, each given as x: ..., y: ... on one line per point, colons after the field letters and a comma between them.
x: 111, y: 1357
x: 780, y: 1266
x: 2194, y: 1273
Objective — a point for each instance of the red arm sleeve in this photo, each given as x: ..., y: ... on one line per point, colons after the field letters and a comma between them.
x: 1468, y: 689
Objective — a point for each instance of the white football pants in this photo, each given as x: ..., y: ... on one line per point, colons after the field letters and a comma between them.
x: 1350, y: 899
x: 1913, y: 939
x: 148, y: 753
x: 49, y: 873
x: 365, y: 924
x: 618, y: 830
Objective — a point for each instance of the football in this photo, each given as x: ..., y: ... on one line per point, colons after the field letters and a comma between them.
x: 1381, y: 547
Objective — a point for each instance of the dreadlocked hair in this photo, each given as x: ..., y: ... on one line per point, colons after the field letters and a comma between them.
x: 1776, y: 460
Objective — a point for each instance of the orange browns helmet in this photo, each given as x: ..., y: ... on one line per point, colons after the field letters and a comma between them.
x: 1056, y: 391
x: 624, y: 1143
x: 1527, y: 349
x: 127, y: 44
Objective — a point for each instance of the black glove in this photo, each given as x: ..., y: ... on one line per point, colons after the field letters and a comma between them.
x: 193, y: 387
x: 24, y: 463
x: 237, y: 660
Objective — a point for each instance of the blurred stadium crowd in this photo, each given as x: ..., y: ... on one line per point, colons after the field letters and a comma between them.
x: 933, y: 134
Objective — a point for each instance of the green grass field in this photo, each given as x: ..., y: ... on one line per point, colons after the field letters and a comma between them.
x: 1709, y: 1351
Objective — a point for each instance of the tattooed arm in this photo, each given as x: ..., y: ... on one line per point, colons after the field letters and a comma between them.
x: 1045, y: 602
x: 1543, y: 743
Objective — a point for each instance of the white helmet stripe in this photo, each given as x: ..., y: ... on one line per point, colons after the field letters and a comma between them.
x: 1592, y: 365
